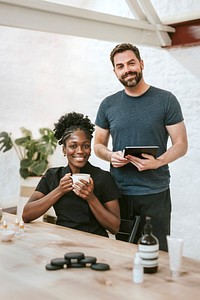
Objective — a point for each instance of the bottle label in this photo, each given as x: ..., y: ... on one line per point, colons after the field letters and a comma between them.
x: 148, y: 248
x: 149, y: 263
x: 149, y: 255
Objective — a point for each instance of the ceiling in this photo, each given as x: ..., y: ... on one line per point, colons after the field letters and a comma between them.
x: 143, y: 24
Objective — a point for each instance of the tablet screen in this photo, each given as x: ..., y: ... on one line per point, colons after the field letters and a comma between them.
x: 138, y: 150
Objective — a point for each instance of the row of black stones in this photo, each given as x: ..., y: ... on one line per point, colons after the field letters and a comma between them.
x: 76, y: 260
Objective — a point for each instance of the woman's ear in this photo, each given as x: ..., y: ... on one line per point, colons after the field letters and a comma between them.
x: 64, y: 150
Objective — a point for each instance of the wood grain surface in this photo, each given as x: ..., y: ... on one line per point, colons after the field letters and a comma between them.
x: 23, y: 274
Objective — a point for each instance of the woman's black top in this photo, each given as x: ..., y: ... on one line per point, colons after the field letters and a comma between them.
x: 73, y: 211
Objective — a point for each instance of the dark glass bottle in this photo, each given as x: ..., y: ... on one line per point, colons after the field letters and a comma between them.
x: 148, y: 247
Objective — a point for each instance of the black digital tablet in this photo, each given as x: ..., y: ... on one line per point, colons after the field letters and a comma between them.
x: 138, y: 150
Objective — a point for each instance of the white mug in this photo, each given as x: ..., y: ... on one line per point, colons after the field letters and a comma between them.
x: 77, y: 176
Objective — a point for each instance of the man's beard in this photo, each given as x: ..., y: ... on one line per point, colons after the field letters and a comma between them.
x: 131, y: 82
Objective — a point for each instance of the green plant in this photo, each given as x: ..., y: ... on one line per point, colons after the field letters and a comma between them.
x: 33, y: 153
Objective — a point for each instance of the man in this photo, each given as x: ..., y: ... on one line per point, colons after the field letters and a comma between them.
x: 140, y: 115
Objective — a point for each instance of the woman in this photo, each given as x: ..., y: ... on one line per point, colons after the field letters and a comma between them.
x: 92, y: 207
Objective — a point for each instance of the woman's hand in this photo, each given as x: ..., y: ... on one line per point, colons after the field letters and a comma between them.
x: 65, y: 185
x: 107, y: 214
x: 84, y: 189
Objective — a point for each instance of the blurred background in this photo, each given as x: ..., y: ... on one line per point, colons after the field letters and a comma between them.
x: 44, y: 75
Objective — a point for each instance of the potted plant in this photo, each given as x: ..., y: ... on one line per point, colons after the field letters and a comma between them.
x: 33, y: 153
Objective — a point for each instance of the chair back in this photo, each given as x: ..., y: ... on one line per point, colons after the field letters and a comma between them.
x: 128, y: 229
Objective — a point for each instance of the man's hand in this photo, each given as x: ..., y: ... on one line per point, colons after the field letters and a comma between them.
x: 117, y: 159
x: 146, y: 163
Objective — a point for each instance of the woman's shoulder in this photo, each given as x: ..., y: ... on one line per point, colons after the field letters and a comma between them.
x: 59, y: 171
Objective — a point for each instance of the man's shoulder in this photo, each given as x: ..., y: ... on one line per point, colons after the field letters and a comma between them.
x: 114, y: 96
x: 161, y: 92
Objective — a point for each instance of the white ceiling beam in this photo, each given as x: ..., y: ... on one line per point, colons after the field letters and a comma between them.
x: 153, y: 18
x: 56, y: 18
x: 136, y: 9
x: 195, y: 15
x: 149, y: 11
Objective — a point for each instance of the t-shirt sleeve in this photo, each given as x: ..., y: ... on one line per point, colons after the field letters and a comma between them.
x: 101, y: 118
x: 43, y: 185
x: 174, y: 113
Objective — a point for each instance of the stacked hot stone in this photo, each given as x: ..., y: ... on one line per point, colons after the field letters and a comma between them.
x: 76, y: 260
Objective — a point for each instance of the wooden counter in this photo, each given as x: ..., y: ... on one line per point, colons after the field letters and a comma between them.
x: 23, y: 275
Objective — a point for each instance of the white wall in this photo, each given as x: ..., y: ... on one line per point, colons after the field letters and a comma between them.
x: 44, y: 75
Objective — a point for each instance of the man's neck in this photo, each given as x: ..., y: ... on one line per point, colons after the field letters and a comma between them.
x: 137, y: 90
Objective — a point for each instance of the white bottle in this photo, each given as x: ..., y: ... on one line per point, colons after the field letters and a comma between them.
x: 138, y: 270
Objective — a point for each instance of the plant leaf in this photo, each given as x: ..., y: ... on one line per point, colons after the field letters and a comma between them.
x: 33, y: 153
x: 5, y: 141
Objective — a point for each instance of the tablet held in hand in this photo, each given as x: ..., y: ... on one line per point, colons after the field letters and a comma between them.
x: 138, y: 150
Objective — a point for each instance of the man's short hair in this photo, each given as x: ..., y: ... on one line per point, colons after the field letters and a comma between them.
x: 124, y: 47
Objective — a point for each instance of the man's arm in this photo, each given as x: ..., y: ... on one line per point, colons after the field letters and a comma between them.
x: 101, y: 148
x: 101, y: 140
x: 179, y: 148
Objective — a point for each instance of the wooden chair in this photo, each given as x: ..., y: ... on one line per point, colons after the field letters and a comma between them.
x: 128, y: 229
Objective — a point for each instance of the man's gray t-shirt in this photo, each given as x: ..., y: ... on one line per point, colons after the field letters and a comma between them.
x: 140, y: 121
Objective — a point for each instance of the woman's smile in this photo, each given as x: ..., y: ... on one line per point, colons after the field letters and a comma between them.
x: 77, y: 149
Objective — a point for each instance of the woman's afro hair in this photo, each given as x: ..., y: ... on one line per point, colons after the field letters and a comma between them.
x: 69, y: 123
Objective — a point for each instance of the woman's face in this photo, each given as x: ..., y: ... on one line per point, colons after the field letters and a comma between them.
x: 77, y: 148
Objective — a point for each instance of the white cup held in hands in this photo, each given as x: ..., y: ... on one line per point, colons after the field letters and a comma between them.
x: 77, y: 176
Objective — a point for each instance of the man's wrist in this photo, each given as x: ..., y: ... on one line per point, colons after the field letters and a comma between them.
x: 110, y: 153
